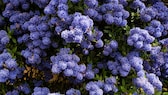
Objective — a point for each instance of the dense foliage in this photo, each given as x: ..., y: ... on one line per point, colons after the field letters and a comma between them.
x: 83, y: 47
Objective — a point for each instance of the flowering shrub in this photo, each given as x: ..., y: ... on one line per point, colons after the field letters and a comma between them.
x: 83, y: 47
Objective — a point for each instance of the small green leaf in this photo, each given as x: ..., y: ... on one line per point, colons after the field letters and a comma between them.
x: 164, y: 93
x: 123, y: 82
x: 164, y: 49
x: 14, y: 49
x: 158, y: 93
x: 132, y: 14
x: 107, y: 27
x: 123, y: 89
x: 106, y: 31
x: 14, y: 40
x: 88, y: 59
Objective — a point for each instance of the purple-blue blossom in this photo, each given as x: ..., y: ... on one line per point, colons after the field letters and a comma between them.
x: 41, y: 91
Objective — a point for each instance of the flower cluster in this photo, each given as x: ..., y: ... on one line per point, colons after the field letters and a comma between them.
x: 111, y: 11
x: 37, y: 40
x: 68, y: 64
x: 148, y: 84
x: 8, y: 67
x: 99, y: 87
x: 109, y: 48
x: 159, y: 66
x: 120, y: 66
x: 4, y: 39
x: 140, y: 39
x: 80, y: 25
x: 46, y: 91
x: 156, y: 29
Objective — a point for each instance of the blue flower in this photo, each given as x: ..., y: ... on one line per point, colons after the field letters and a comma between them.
x: 91, y: 13
x: 5, y: 40
x: 4, y: 75
x: 3, y: 33
x: 75, y: 1
x: 62, y: 14
x: 91, y: 3
x: 89, y: 74
x: 34, y: 35
x: 11, y: 63
x: 55, y: 69
x: 14, y: 92
x: 63, y: 1
x: 108, y: 18
x: 68, y: 72
x: 46, y: 40
x: 113, y: 44
x: 41, y: 91
x: 49, y: 10
x: 107, y: 87
x: 99, y: 44
x: 62, y: 7
x: 111, y: 80
x: 24, y: 88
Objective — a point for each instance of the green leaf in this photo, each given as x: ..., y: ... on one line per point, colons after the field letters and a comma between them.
x: 106, y: 31
x: 164, y: 93
x: 164, y: 49
x: 14, y: 40
x: 123, y: 82
x: 98, y: 77
x: 104, y: 73
x: 9, y: 50
x: 14, y: 49
x: 158, y: 93
x: 107, y: 27
x: 88, y: 59
x: 123, y: 89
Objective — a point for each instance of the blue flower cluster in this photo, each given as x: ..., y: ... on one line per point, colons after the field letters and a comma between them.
x: 100, y: 88
x: 155, y: 29
x: 159, y: 65
x: 81, y: 32
x: 37, y: 40
x: 4, y: 39
x: 164, y: 41
x: 80, y: 25
x: 154, y: 80
x: 94, y: 88
x: 46, y: 91
x: 93, y: 40
x: 60, y: 19
x: 138, y: 4
x: 136, y: 63
x: 145, y: 80
x: 158, y: 11
x: 111, y: 11
x: 9, y: 69
x: 68, y: 64
x: 123, y: 65
x: 21, y: 88
x: 120, y: 66
x: 148, y: 83
x: 140, y: 38
x: 155, y: 14
x: 14, y: 92
x: 109, y: 48
x: 73, y: 91
x: 145, y: 84
x: 41, y: 91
